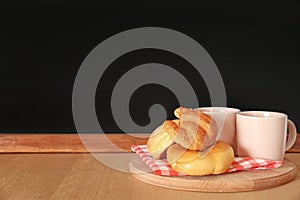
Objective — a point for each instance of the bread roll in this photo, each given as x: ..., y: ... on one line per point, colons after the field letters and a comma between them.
x: 185, y: 161
x: 197, y: 131
x: 161, y: 138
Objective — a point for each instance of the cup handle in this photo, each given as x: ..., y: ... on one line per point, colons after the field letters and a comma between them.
x: 292, y: 135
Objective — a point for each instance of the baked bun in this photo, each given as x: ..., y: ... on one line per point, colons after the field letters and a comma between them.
x: 185, y: 161
x: 162, y: 137
x: 197, y: 131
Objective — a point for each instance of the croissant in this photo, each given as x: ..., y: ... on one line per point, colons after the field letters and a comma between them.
x: 197, y: 131
x: 162, y: 137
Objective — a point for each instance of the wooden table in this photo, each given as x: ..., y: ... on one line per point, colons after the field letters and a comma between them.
x: 81, y: 176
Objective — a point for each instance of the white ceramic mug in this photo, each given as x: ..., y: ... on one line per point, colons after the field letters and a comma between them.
x: 262, y: 134
x: 226, y: 121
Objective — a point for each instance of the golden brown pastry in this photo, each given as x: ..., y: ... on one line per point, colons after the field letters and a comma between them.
x: 197, y: 131
x: 162, y: 137
x: 185, y: 161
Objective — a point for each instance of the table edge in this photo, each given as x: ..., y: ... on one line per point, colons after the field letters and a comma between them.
x: 72, y: 143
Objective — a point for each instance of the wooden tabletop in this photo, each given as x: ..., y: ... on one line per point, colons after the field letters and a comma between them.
x: 70, y: 143
x: 60, y: 167
x: 81, y: 176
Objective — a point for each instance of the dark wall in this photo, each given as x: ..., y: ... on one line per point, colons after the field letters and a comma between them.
x: 42, y: 45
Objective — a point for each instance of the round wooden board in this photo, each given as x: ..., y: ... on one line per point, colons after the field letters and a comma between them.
x: 232, y: 182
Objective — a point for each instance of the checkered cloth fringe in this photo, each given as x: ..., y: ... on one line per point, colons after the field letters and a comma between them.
x: 161, y: 167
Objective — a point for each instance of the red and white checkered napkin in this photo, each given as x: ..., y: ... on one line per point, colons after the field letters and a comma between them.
x: 162, y: 167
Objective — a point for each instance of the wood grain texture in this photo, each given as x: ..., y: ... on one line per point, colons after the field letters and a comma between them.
x: 232, y: 182
x: 82, y: 177
x: 68, y: 143
x: 71, y: 143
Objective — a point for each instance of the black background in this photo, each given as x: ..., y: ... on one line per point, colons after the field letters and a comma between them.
x: 42, y: 44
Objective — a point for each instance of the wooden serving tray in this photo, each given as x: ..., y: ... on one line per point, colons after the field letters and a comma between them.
x: 232, y: 182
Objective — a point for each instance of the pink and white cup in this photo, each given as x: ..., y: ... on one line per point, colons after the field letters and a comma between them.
x: 226, y: 121
x: 262, y: 134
